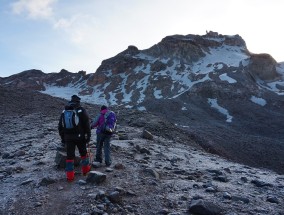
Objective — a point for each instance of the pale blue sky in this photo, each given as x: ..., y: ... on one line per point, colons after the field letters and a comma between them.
x: 78, y: 35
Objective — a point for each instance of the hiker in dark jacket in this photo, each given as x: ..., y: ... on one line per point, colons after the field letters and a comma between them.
x: 105, y: 123
x: 74, y: 130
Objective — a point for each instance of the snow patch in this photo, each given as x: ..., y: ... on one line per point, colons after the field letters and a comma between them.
x: 112, y: 99
x: 220, y: 40
x: 141, y: 108
x: 229, y: 55
x: 126, y: 96
x: 214, y: 104
x: 61, y: 92
x: 259, y: 101
x: 272, y: 86
x: 144, y: 56
x: 225, y: 77
x: 158, y: 93
x: 143, y: 83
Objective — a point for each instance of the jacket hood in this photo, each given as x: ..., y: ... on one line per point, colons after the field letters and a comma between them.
x: 104, y: 111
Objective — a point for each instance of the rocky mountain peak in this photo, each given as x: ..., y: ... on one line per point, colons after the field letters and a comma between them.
x: 191, y: 48
x: 263, y: 67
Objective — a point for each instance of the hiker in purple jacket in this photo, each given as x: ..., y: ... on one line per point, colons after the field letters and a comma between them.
x: 105, y: 123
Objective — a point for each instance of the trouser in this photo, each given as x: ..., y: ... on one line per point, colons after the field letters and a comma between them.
x: 71, y: 147
x: 103, y: 141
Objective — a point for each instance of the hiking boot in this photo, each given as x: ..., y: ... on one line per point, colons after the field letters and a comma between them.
x: 86, y: 169
x: 70, y: 176
x: 108, y: 164
x: 70, y: 170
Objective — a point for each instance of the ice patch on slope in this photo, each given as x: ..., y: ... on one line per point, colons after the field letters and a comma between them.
x: 214, y: 104
x: 143, y: 83
x: 225, y: 77
x: 61, y: 92
x: 158, y: 93
x: 259, y: 101
x: 229, y: 55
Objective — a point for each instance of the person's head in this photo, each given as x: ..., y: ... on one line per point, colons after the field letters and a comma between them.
x: 103, y: 107
x: 75, y: 99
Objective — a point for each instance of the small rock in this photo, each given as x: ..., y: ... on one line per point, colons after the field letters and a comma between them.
x: 109, y: 170
x: 5, y: 155
x: 46, y: 181
x: 227, y: 195
x: 259, y: 183
x: 272, y: 199
x: 221, y: 178
x: 96, y: 177
x: 240, y: 198
x: 40, y: 163
x: 228, y: 170
x: 144, y: 151
x: 130, y: 193
x: 96, y: 164
x: 215, y: 171
x: 82, y: 182
x: 20, y: 153
x: 244, y: 179
x: 119, y: 166
x: 60, y: 188
x: 114, y: 197
x: 123, y: 137
x: 147, y: 135
x: 100, y: 195
x: 101, y: 207
x: 27, y: 181
x: 96, y: 211
x: 38, y: 204
x: 153, y: 172
x: 210, y: 189
x: 201, y: 207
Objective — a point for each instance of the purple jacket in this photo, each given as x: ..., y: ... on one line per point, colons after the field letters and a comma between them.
x: 105, y: 121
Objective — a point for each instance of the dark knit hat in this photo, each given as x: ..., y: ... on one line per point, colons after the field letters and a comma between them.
x: 75, y: 98
x: 103, y: 107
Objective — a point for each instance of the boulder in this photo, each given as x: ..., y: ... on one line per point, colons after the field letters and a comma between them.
x: 202, y: 207
x: 96, y: 177
x: 60, y: 159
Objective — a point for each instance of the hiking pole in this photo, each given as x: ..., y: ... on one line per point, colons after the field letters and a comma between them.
x: 89, y: 152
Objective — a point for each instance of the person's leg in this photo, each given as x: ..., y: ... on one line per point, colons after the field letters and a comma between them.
x: 99, y: 148
x: 86, y: 167
x: 107, y: 150
x: 70, y: 146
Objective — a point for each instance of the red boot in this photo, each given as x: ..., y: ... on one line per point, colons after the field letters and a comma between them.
x: 70, y: 170
x: 86, y: 167
x: 70, y: 176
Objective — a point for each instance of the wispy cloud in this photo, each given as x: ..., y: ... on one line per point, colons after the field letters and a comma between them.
x: 80, y: 28
x: 34, y: 8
